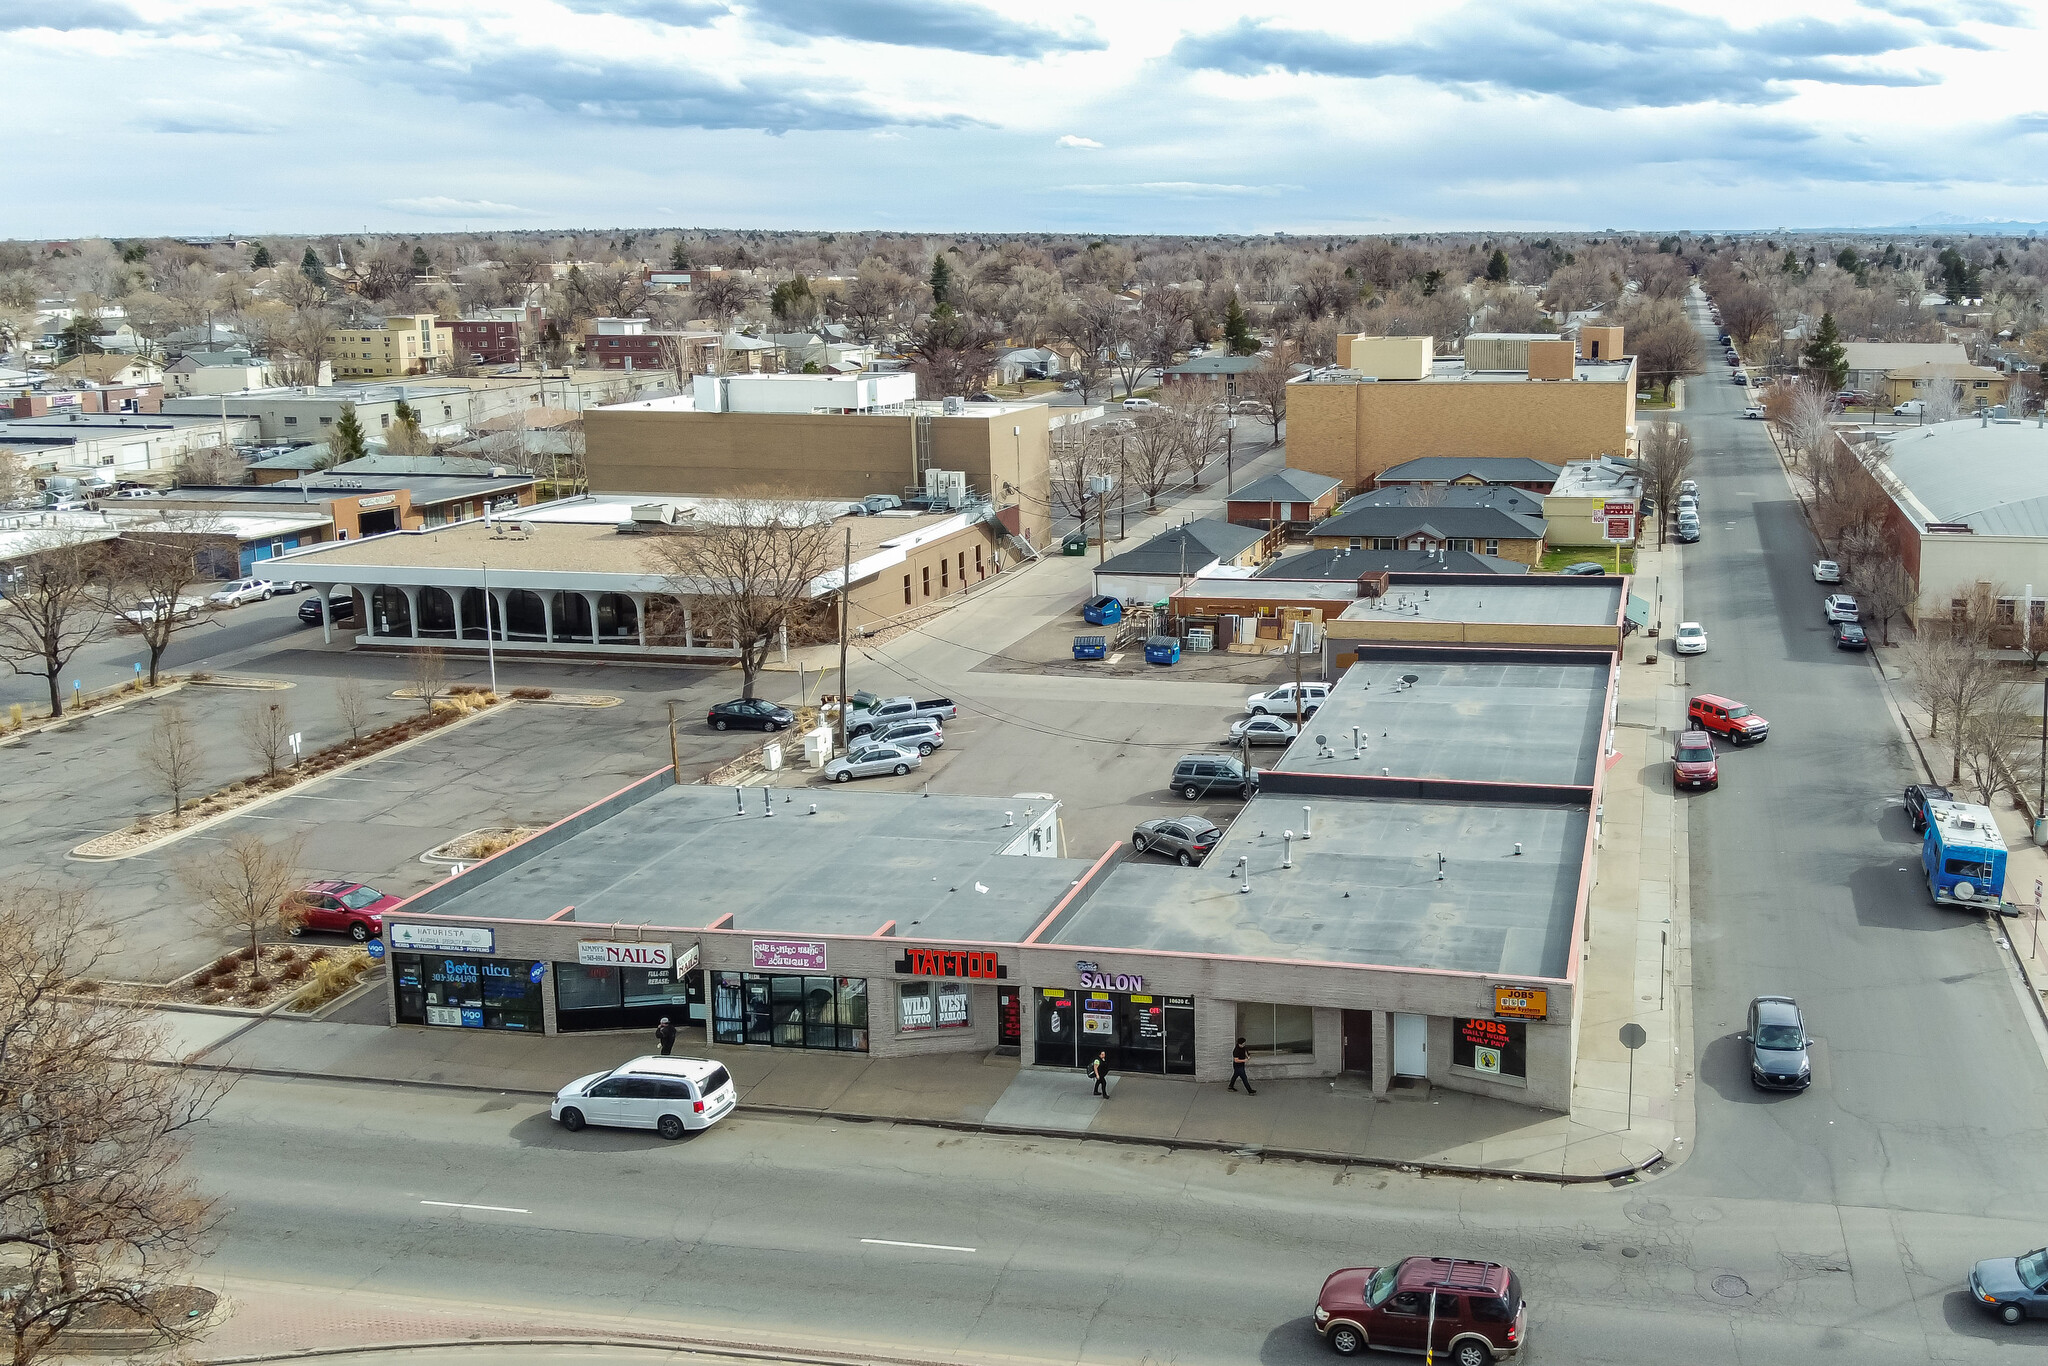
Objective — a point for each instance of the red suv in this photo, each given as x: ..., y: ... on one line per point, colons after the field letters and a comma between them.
x: 1470, y: 1313
x: 1692, y: 762
x: 1725, y: 716
x: 347, y: 908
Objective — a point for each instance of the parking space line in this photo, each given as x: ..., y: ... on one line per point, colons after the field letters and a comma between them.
x: 891, y: 1242
x: 494, y: 1209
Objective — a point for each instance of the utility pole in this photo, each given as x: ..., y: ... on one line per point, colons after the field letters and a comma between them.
x: 1101, y: 539
x: 845, y: 615
x: 1229, y: 431
x: 1297, y: 687
x: 675, y: 757
x: 1122, y: 498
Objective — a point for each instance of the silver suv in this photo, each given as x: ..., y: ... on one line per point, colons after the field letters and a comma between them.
x: 924, y: 736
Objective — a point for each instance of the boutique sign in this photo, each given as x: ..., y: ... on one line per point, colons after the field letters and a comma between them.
x: 1093, y: 978
x: 804, y: 955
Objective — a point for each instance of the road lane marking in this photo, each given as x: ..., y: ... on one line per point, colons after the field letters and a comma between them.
x: 495, y: 1209
x: 929, y: 1247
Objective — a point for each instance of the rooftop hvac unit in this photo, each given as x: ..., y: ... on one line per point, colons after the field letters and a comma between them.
x: 946, y: 488
x: 650, y: 512
x: 953, y: 406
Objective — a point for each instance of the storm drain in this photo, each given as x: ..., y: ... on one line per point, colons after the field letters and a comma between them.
x: 1730, y: 1287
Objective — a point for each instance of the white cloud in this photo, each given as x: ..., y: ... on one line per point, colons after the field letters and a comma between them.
x: 1073, y: 140
x: 1184, y: 189
x: 440, y: 206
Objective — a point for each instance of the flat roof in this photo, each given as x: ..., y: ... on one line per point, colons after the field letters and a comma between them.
x: 1486, y: 722
x: 1532, y: 598
x: 1451, y: 370
x: 425, y: 488
x: 686, y: 855
x: 1363, y: 890
x: 1989, y: 475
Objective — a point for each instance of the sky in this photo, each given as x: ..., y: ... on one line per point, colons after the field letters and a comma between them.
x: 147, y: 117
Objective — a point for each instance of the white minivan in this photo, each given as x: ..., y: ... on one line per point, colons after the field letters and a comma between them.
x: 671, y: 1096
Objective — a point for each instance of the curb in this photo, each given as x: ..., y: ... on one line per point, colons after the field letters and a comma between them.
x: 667, y: 1345
x: 1647, y: 1166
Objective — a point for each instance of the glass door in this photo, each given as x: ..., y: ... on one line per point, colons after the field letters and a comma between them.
x: 786, y: 997
x: 1056, y: 1042
x: 760, y: 1012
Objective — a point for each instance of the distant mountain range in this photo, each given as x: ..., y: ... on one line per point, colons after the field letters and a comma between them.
x: 1952, y: 223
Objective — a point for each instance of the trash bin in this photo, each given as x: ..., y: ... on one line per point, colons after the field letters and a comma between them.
x: 1162, y: 650
x: 1076, y: 543
x: 1091, y: 647
x: 1102, y: 610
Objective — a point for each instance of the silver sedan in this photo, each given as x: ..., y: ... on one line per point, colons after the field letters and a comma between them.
x: 871, y: 761
x: 1263, y: 730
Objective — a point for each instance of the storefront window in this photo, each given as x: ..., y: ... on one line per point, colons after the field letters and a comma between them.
x: 599, y: 997
x: 1493, y: 1048
x: 467, y: 993
x: 931, y: 1005
x: 1269, y: 1028
x: 789, y: 1011
x: 1140, y: 1033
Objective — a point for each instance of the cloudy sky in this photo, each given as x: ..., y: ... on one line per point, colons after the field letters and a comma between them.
x: 129, y: 117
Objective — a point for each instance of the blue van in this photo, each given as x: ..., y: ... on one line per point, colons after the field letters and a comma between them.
x: 1963, y: 855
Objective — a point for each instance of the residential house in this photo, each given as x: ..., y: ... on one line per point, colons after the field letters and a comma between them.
x: 1471, y: 520
x: 1219, y: 368
x: 1971, y: 386
x: 1346, y: 563
x: 1870, y: 362
x: 1028, y: 362
x: 1164, y: 564
x: 115, y: 370
x: 1536, y: 476
x: 1293, y: 498
x: 225, y: 372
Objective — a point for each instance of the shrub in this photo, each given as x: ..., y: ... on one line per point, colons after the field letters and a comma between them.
x: 465, y: 689
x: 319, y: 955
x: 258, y: 983
x: 213, y: 998
x: 85, y: 986
x: 241, y: 956
x: 292, y: 971
x: 532, y: 694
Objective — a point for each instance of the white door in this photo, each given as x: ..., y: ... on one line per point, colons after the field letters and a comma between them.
x: 1411, y: 1045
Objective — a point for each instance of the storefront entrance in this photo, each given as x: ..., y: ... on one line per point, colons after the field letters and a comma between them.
x: 1358, y: 1041
x: 467, y: 993
x: 789, y: 1011
x: 1140, y: 1033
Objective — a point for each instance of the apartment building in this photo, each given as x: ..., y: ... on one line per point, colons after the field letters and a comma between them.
x: 392, y: 348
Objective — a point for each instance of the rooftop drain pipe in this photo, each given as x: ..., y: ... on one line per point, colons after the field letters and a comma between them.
x: 1244, y: 866
x: 1286, y: 848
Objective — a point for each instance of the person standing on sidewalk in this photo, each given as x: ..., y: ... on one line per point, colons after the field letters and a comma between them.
x: 1099, y: 1069
x: 665, y: 1035
x: 1239, y: 1056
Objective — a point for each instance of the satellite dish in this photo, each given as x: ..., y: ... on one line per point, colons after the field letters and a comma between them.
x: 1965, y: 891
x: 1322, y: 739
x: 1411, y: 679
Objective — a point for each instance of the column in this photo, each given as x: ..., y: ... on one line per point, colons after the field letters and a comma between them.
x: 326, y: 614
x: 496, y: 604
x: 1382, y: 1052
x: 547, y: 616
x: 412, y: 610
x: 455, y: 600
x: 590, y: 601
x: 689, y: 631
x: 640, y: 623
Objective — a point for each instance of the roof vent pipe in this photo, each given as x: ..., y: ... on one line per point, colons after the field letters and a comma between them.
x: 767, y: 803
x: 1305, y: 823
x: 1286, y: 848
x: 1244, y: 866
x: 1009, y: 819
x: 739, y: 798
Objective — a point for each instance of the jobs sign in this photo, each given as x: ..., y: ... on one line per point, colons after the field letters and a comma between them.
x: 1521, y: 1003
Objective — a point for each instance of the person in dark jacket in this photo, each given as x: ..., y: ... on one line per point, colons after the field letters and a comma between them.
x: 1099, y: 1069
x: 665, y: 1035
x: 1239, y: 1056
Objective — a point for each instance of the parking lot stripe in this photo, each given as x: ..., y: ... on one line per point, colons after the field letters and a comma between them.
x: 494, y: 1209
x: 929, y: 1247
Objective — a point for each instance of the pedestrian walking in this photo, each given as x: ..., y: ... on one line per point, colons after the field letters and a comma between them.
x: 1239, y: 1056
x: 665, y: 1035
x: 1099, y: 1069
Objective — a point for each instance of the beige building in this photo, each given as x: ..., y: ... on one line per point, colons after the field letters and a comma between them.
x: 402, y: 344
x: 1571, y: 510
x: 1971, y: 386
x: 1390, y: 401
x: 1870, y: 362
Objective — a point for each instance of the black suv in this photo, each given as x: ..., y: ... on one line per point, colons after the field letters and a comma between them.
x: 1199, y: 775
x: 1917, y: 797
x: 340, y: 607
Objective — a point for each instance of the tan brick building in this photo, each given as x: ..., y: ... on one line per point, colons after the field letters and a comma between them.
x: 1391, y: 402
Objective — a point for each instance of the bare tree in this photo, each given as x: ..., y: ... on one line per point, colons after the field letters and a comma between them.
x: 1267, y: 387
x: 427, y: 670
x: 722, y: 297
x: 172, y: 755
x: 1155, y: 454
x: 1933, y: 660
x: 150, y: 572
x: 15, y: 481
x: 352, y: 704
x: 1076, y: 459
x: 1998, y: 744
x: 1665, y: 454
x: 751, y: 568
x: 212, y: 466
x: 248, y: 888
x: 953, y: 354
x: 682, y: 355
x: 1884, y: 588
x: 269, y: 736
x: 1092, y: 325
x: 605, y: 291
x: 96, y: 1213
x: 52, y: 610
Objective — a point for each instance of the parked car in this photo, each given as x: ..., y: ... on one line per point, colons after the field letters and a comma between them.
x: 340, y: 607
x: 1693, y: 763
x: 1139, y: 405
x: 1280, y: 700
x: 241, y: 591
x: 1199, y: 775
x: 671, y: 1096
x: 1850, y: 636
x: 1917, y: 797
x: 749, y: 713
x: 1727, y: 717
x: 1840, y: 607
x: 2014, y: 1288
x: 923, y: 735
x: 872, y: 761
x: 1687, y: 531
x: 1912, y: 407
x: 1187, y: 839
x: 1754, y: 410
x: 1691, y: 486
x: 1741, y: 378
x: 1691, y: 638
x: 1478, y: 1316
x: 139, y: 493
x: 348, y: 908
x: 883, y: 711
x: 1688, y: 502
x: 1826, y: 571
x: 148, y: 610
x: 1263, y: 730
x: 1778, y: 1060
x: 1584, y: 567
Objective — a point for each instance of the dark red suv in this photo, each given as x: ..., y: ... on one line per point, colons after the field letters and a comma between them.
x: 1471, y: 1313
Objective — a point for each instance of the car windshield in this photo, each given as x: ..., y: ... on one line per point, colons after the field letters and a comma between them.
x: 1737, y: 712
x: 1695, y: 754
x: 1381, y: 1285
x: 361, y: 897
x: 2033, y: 1267
x: 1779, y: 1036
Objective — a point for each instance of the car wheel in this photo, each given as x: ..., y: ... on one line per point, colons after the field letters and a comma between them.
x: 572, y: 1119
x: 1139, y: 844
x: 1346, y: 1341
x: 1471, y: 1352
x: 925, y: 750
x: 774, y: 725
x: 900, y: 769
x: 718, y: 724
x: 1186, y: 859
x: 266, y: 595
x: 358, y: 931
x: 2011, y: 1313
x: 670, y: 1127
x: 297, y: 930
x: 843, y: 776
x: 1189, y: 792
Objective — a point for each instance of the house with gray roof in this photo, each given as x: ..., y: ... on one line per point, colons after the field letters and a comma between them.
x: 1296, y: 498
x: 1161, y: 565
x: 1469, y: 520
x: 1518, y: 471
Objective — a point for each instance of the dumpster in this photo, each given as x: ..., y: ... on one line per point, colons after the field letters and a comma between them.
x: 1091, y: 647
x: 1076, y: 543
x: 1162, y: 650
x: 1102, y: 611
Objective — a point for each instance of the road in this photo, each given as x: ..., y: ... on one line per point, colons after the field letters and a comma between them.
x: 1927, y: 1089
x: 1048, y: 1250
x: 214, y: 637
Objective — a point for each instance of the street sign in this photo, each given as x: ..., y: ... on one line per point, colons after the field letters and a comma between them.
x: 1632, y: 1037
x: 1617, y: 507
x: 1619, y: 530
x: 375, y: 948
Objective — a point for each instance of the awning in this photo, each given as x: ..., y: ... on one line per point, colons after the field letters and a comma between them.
x: 1638, y: 613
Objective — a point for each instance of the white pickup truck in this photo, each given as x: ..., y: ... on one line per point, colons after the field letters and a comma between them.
x: 150, y: 610
x: 1280, y: 701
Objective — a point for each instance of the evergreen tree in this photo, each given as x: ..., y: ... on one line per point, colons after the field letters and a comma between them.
x: 1846, y: 259
x: 678, y: 259
x: 260, y: 258
x: 942, y: 281
x: 311, y: 267
x: 346, y: 441
x: 1825, y: 355
x: 1237, y: 330
x: 80, y: 337
x: 792, y: 303
x: 1790, y: 265
x: 1497, y: 267
x: 421, y: 263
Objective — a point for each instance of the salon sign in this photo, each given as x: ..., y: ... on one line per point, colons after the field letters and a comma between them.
x: 1093, y: 978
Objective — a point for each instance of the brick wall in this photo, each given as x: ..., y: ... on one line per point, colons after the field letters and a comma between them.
x: 1353, y: 431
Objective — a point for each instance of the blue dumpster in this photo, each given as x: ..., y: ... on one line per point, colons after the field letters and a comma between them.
x: 1091, y: 647
x: 1102, y: 611
x: 1162, y: 649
